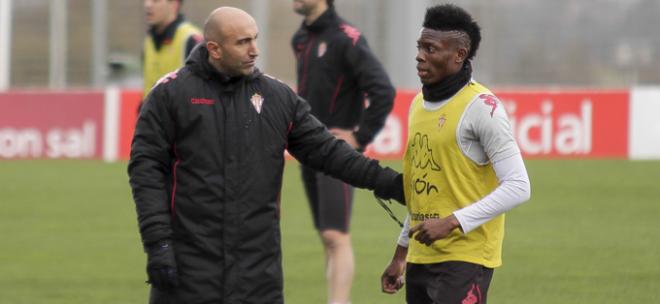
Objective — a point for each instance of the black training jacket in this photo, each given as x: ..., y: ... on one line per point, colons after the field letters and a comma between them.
x: 336, y: 71
x: 206, y: 171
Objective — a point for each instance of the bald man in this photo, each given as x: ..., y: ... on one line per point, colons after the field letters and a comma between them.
x: 206, y: 170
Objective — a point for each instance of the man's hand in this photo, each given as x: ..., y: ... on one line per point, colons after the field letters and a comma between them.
x: 432, y: 230
x: 392, y: 279
x: 161, y: 266
x: 345, y: 135
x: 391, y: 186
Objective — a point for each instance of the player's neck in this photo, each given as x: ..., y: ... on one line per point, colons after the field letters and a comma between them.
x: 316, y: 13
x: 160, y: 28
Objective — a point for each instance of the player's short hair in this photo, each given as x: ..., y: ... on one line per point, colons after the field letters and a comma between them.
x: 330, y: 2
x: 449, y: 17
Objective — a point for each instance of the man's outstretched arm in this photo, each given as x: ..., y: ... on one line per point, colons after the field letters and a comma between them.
x: 314, y: 146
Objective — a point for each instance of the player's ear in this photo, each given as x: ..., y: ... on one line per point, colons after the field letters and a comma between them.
x: 461, y: 54
x: 214, y: 50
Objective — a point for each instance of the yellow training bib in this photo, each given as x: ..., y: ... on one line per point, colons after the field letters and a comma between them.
x: 439, y: 179
x: 168, y: 57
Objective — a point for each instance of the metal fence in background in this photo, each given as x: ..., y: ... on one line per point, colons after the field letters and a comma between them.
x: 591, y: 43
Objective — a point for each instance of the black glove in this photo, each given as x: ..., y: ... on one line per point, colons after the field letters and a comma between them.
x: 161, y: 266
x: 390, y: 186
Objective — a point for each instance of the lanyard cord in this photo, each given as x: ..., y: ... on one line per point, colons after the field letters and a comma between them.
x: 389, y: 211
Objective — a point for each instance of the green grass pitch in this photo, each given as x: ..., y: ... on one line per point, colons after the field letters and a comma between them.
x: 590, y: 234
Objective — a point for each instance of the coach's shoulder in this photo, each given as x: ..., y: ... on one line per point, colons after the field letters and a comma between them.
x: 170, y: 79
x: 276, y: 84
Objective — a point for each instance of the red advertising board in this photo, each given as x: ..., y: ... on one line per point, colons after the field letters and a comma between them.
x: 130, y: 101
x: 51, y: 125
x: 546, y: 124
x: 569, y: 124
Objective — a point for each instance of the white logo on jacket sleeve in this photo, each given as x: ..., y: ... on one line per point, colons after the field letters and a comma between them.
x: 257, y: 102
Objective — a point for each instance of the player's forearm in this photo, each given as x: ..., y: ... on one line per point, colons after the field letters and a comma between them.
x: 514, y: 189
x: 381, y: 102
x: 374, y: 82
x: 403, y: 237
x: 400, y: 254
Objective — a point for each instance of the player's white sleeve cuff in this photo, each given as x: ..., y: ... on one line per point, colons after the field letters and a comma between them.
x: 403, y: 237
x: 514, y: 189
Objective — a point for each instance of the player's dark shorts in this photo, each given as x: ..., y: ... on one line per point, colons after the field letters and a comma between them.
x: 447, y: 283
x: 329, y: 199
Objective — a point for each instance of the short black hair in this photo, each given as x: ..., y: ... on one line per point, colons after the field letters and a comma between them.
x: 330, y: 2
x: 449, y: 17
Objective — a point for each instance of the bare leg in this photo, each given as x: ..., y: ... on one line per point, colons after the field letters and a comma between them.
x: 340, y: 265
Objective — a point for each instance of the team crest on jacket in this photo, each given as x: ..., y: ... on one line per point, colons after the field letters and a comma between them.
x: 322, y: 48
x: 257, y: 102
